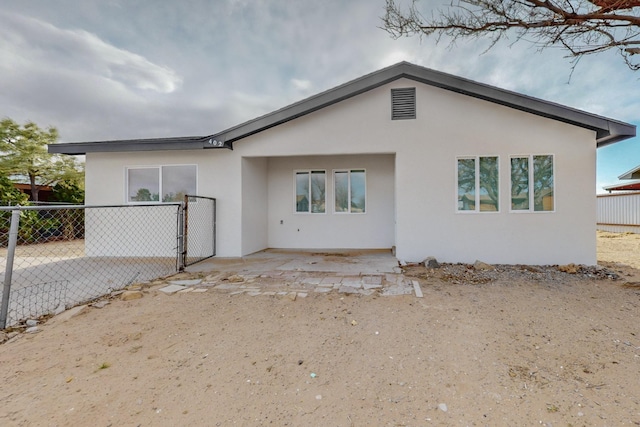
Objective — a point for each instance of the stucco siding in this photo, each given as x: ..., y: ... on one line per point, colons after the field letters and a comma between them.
x: 373, y: 229
x: 134, y: 231
x: 254, y: 205
x: 218, y: 176
x: 411, y: 181
x: 449, y: 125
x: 429, y: 224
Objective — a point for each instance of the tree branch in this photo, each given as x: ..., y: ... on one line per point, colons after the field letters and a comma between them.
x: 582, y: 27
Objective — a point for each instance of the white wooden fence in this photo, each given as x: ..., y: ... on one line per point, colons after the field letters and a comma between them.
x: 619, y: 213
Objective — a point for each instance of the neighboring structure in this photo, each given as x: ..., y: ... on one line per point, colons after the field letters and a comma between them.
x: 620, y: 213
x: 633, y: 181
x: 430, y: 163
x: 44, y: 195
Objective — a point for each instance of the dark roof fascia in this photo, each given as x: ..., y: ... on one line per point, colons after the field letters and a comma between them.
x: 607, y: 130
x: 311, y: 104
x: 128, y: 145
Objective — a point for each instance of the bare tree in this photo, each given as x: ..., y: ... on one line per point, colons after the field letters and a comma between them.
x: 581, y: 27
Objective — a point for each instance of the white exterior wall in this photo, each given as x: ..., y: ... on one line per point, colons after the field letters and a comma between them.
x: 254, y: 205
x: 218, y: 176
x: 137, y: 231
x: 254, y: 182
x: 373, y: 229
x: 450, y: 125
x: 429, y: 223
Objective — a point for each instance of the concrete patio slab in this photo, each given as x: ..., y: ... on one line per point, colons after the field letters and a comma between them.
x: 296, y: 273
x: 270, y: 262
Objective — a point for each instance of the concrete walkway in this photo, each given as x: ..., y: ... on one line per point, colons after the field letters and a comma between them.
x: 284, y: 272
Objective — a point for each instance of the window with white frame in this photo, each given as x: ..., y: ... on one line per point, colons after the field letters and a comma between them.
x: 350, y: 191
x: 532, y: 183
x: 478, y: 184
x: 168, y: 183
x: 310, y: 191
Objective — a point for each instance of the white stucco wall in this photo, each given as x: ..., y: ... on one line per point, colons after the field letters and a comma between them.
x: 373, y: 229
x: 219, y: 176
x: 428, y: 223
x: 254, y: 205
x: 450, y: 125
x: 414, y: 181
x: 134, y: 231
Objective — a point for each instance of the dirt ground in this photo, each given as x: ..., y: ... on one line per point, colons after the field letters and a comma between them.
x: 512, y: 346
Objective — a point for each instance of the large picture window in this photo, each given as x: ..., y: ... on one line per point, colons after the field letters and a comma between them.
x: 532, y: 183
x: 161, y: 183
x: 478, y: 188
x: 350, y: 188
x: 310, y: 191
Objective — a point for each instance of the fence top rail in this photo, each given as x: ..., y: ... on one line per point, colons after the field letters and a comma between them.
x: 60, y: 207
x: 198, y: 197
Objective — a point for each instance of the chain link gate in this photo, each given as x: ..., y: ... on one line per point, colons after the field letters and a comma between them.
x: 54, y: 257
x: 199, y: 228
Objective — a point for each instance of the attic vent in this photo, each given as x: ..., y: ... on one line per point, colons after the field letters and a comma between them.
x: 403, y: 103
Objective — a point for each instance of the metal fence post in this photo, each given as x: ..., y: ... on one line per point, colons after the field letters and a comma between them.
x: 182, y: 234
x: 215, y: 213
x: 11, y: 250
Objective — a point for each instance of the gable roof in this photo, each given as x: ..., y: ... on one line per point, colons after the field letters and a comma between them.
x: 632, y: 174
x: 607, y: 130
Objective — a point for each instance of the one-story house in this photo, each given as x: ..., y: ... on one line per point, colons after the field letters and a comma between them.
x: 406, y: 157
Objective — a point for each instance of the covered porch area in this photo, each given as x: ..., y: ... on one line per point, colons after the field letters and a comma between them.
x: 347, y: 202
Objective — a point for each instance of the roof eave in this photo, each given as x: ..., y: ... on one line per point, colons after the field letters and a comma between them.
x: 608, y: 131
x: 131, y: 145
x: 311, y: 104
x: 623, y: 186
x: 616, y: 131
x: 631, y: 174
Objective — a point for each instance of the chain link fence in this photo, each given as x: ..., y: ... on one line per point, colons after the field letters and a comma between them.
x: 56, y: 257
x: 199, y: 229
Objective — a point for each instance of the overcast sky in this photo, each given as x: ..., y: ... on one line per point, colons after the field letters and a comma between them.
x: 117, y: 69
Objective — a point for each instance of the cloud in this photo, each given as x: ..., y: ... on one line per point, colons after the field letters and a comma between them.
x: 393, y: 57
x: 108, y: 70
x: 29, y: 43
x: 302, y: 85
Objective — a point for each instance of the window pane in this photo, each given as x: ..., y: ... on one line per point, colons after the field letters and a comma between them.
x: 317, y: 191
x: 302, y: 191
x: 358, y: 191
x: 520, y: 183
x: 143, y: 185
x: 177, y: 181
x: 543, y: 198
x: 489, y: 184
x: 341, y: 190
x: 466, y: 184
